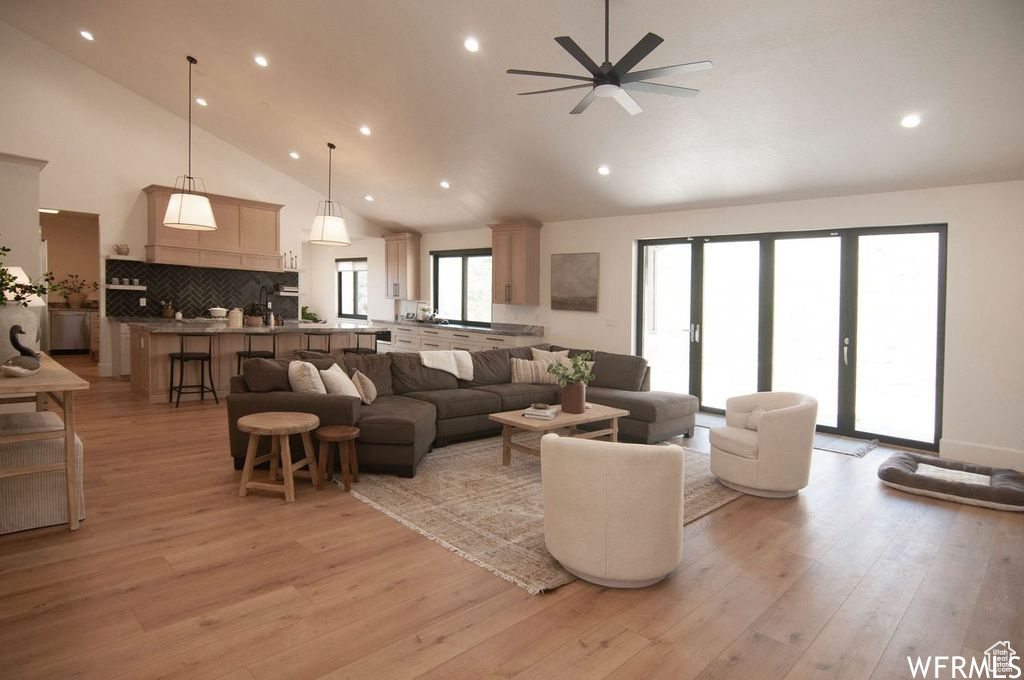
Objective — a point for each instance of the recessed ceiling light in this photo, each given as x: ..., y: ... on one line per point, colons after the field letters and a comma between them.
x: 365, y: 129
x: 369, y: 198
x: 49, y: 211
x: 911, y: 120
x: 261, y: 60
x: 472, y: 44
x: 445, y: 184
x: 603, y: 170
x: 200, y: 101
x: 87, y: 35
x: 294, y: 154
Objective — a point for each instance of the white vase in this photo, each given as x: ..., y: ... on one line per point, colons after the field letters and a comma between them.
x: 16, y: 315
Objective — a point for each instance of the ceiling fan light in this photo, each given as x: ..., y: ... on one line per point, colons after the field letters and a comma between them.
x: 191, y: 212
x: 606, y: 90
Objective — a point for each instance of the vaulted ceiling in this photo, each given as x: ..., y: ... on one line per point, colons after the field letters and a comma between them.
x: 804, y: 100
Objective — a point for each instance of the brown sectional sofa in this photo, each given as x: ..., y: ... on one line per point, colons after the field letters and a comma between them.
x: 419, y: 407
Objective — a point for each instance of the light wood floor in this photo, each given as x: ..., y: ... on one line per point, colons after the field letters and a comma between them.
x: 174, y: 576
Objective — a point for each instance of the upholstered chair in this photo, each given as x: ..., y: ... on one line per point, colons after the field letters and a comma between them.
x: 613, y: 513
x: 764, y: 448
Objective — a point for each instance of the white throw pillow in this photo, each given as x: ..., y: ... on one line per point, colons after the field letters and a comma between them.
x: 337, y: 382
x: 303, y: 377
x: 367, y: 390
x: 544, y: 355
x: 754, y: 419
x: 533, y: 372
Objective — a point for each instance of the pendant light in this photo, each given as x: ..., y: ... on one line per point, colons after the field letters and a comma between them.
x: 329, y: 225
x: 188, y: 209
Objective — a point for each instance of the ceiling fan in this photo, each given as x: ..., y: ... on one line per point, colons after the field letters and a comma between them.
x: 613, y: 81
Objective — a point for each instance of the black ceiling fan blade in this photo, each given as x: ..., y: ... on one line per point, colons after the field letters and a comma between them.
x: 556, y: 89
x: 520, y: 72
x: 570, y: 46
x: 665, y: 71
x: 636, y: 55
x: 585, y: 102
x: 658, y: 88
x: 627, y: 102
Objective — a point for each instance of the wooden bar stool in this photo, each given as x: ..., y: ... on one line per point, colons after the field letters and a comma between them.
x: 182, y: 357
x: 278, y: 425
x: 345, y: 437
x: 250, y: 353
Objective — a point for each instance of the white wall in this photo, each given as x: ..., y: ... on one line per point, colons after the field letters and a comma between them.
x: 319, y: 282
x: 104, y: 143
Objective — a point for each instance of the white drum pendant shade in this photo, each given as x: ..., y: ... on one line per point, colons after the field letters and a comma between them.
x: 189, y: 211
x: 329, y: 230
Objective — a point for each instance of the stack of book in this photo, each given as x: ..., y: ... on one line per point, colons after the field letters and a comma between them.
x: 541, y: 413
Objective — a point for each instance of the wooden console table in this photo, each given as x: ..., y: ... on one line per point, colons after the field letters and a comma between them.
x: 60, y: 385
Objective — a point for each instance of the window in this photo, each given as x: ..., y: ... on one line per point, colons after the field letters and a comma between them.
x: 352, y: 288
x: 462, y: 285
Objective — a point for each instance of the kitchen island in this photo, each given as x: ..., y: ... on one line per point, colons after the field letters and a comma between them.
x: 153, y: 340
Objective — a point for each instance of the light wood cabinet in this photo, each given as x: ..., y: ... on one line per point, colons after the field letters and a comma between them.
x: 402, y: 266
x: 515, y: 263
x: 247, y: 234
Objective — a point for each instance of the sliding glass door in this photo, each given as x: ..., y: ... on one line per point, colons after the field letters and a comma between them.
x: 852, y: 317
x: 805, y: 333
x: 729, y: 327
x: 897, y: 335
x: 665, y: 301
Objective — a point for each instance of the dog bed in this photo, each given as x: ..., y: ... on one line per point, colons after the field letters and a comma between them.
x: 953, y: 480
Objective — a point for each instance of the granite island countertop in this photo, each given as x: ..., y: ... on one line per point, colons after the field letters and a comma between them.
x: 508, y: 329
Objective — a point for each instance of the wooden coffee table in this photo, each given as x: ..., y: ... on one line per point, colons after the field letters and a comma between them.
x: 515, y: 420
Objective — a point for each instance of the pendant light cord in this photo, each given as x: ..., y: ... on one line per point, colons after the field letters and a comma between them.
x: 188, y: 178
x: 330, y: 167
x: 190, y: 118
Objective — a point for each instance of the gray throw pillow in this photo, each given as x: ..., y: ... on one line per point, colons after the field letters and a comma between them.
x: 266, y: 375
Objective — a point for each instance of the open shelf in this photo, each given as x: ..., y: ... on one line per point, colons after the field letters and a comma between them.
x: 119, y: 286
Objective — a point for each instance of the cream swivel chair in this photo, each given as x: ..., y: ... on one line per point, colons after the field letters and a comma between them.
x: 613, y: 513
x: 764, y: 448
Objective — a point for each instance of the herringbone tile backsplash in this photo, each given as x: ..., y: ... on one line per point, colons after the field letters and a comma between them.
x: 193, y: 290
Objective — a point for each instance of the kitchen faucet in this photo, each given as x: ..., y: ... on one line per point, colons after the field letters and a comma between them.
x: 264, y: 303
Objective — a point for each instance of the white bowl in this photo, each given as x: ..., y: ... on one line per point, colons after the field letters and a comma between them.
x: 217, y: 312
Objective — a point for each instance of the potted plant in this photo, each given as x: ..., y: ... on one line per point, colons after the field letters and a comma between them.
x: 253, y: 314
x: 17, y: 292
x: 73, y: 288
x: 573, y: 377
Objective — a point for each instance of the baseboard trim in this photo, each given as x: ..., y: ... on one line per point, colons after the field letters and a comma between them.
x: 981, y: 454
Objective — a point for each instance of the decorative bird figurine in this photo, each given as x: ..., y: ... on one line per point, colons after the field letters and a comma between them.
x: 27, y: 361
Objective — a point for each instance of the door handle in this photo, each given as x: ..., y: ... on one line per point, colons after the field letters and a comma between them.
x: 508, y: 292
x: 846, y: 351
x: 696, y: 333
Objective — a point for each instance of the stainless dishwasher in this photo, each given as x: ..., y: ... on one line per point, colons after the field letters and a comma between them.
x: 69, y: 330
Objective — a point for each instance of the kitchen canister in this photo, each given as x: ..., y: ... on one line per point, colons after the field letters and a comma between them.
x: 235, y: 318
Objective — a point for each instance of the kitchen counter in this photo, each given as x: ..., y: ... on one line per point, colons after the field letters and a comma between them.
x: 507, y: 329
x: 152, y: 340
x: 173, y: 327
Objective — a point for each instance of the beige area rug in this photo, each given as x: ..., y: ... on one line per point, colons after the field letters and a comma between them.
x: 493, y: 516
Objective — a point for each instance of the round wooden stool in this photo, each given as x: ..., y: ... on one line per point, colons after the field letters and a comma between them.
x: 278, y: 425
x: 345, y: 436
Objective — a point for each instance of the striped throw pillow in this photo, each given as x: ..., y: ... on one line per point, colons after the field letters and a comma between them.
x: 533, y: 372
